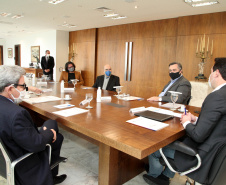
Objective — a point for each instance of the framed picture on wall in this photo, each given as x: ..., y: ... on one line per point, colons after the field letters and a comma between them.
x: 35, y: 54
x: 10, y: 52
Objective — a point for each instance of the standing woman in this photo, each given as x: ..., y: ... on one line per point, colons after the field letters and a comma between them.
x: 70, y: 73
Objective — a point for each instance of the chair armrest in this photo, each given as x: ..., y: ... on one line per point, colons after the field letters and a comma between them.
x: 20, y: 159
x: 181, y: 147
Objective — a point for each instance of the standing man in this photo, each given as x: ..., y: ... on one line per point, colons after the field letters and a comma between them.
x: 107, y: 81
x: 47, y: 64
x: 206, y: 134
x: 177, y: 83
x: 20, y: 135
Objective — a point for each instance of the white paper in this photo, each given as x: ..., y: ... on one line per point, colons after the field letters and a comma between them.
x: 105, y: 98
x: 70, y: 112
x: 64, y: 106
x: 69, y: 89
x: 148, y: 123
x: 47, y: 90
x: 138, y: 109
x: 41, y: 99
x: 170, y: 105
x: 130, y: 98
x: 164, y: 111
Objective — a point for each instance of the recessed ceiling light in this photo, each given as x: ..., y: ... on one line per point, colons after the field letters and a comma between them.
x: 55, y: 1
x: 136, y: 7
x: 103, y: 9
x: 111, y: 15
x: 119, y: 17
x: 197, y: 3
x: 4, y: 14
x: 17, y: 16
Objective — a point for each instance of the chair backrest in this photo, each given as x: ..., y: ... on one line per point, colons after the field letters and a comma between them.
x: 217, y: 172
x: 189, y: 99
x: 4, y: 156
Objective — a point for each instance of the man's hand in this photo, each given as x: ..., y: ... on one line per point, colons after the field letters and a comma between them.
x: 154, y: 98
x: 47, y: 70
x: 187, y: 117
x: 54, y: 135
x: 35, y: 90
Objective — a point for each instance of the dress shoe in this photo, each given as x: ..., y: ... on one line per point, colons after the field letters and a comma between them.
x: 59, y: 179
x: 160, y: 180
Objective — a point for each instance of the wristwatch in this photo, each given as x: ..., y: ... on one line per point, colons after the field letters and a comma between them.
x: 160, y: 99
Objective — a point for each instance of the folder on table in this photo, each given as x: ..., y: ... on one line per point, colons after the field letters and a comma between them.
x: 154, y: 115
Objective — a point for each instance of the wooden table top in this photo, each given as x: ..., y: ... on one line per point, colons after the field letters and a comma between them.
x: 107, y: 124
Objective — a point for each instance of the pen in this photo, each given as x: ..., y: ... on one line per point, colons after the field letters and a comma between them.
x: 184, y: 110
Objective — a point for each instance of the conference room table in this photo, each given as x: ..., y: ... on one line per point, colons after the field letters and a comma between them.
x: 123, y: 147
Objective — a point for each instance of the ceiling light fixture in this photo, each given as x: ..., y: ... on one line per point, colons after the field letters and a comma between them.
x: 197, y: 3
x: 68, y: 25
x: 55, y: 1
x: 111, y: 15
x: 4, y: 14
x: 119, y: 17
x: 17, y: 16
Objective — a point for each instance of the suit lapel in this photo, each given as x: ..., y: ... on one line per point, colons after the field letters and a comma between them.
x: 109, y: 82
x: 175, y: 83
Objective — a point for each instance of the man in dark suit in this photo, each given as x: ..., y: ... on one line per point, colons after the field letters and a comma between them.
x: 21, y: 136
x: 47, y: 64
x: 178, y: 83
x: 206, y: 133
x: 107, y: 81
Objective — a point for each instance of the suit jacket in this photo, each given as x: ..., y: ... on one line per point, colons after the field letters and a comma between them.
x: 21, y: 136
x: 47, y: 65
x: 78, y: 76
x: 181, y: 85
x: 113, y: 81
x: 207, y: 136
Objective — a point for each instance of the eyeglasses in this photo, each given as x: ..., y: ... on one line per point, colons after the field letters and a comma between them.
x: 22, y: 85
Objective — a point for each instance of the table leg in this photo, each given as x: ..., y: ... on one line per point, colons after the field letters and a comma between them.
x: 116, y: 167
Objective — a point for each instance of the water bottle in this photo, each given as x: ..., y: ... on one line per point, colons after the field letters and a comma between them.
x: 62, y: 86
x: 98, y: 94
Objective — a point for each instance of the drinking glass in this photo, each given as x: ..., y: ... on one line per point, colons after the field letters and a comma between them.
x: 74, y: 82
x: 89, y: 97
x: 118, y: 90
x: 174, y: 97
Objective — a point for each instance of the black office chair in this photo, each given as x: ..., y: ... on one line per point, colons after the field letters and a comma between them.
x: 7, y: 166
x: 217, y: 172
x: 189, y: 99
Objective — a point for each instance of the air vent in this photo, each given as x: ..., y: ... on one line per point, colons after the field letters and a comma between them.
x: 103, y: 9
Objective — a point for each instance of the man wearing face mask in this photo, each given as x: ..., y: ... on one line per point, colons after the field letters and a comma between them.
x: 178, y: 83
x: 205, y: 134
x: 107, y: 81
x: 70, y: 73
x: 21, y: 136
x: 47, y: 64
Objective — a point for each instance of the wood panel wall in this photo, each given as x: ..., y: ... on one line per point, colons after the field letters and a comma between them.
x: 84, y: 45
x: 155, y: 45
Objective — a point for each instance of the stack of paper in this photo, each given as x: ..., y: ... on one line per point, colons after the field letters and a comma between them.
x: 138, y: 109
x: 41, y: 99
x: 70, y: 112
x: 164, y: 111
x: 148, y: 123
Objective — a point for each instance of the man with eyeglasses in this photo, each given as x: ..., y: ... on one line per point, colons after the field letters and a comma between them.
x: 21, y: 136
x: 107, y: 81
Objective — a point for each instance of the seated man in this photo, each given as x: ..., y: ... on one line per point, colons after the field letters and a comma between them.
x: 70, y: 73
x: 178, y: 83
x: 107, y: 81
x: 21, y: 136
x: 205, y: 134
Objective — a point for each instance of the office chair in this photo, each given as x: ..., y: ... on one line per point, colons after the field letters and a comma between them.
x: 189, y: 99
x: 216, y: 174
x: 7, y: 166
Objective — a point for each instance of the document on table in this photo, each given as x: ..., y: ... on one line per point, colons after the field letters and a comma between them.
x: 164, y: 111
x: 64, y: 106
x: 130, y: 98
x: 41, y: 99
x: 148, y: 123
x: 70, y: 112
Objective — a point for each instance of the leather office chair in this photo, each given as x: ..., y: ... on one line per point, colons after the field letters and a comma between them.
x: 216, y: 174
x: 7, y: 166
x: 189, y: 99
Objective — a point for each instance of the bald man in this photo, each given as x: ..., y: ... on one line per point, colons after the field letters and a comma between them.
x: 107, y: 81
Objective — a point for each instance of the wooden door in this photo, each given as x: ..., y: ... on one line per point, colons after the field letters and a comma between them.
x: 1, y: 55
x: 17, y: 55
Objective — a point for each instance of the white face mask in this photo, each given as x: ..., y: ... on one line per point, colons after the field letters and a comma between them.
x: 19, y: 99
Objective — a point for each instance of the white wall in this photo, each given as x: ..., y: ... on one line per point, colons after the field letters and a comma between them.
x: 50, y: 40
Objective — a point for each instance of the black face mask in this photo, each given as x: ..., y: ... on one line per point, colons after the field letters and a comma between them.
x: 174, y: 75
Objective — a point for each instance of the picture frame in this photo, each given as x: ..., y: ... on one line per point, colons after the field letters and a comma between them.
x: 35, y: 54
x: 10, y: 52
